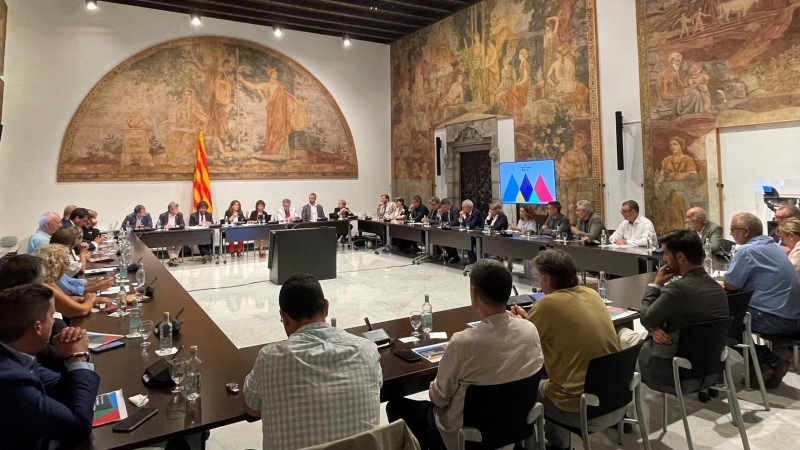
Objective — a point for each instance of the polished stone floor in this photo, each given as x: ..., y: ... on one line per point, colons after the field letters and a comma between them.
x: 240, y: 299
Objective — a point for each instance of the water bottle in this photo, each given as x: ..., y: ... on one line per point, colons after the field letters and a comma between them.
x: 486, y: 227
x: 708, y: 263
x: 603, y: 238
x: 134, y: 320
x: 649, y: 245
x: 165, y: 332
x: 123, y: 268
x: 602, y: 287
x: 140, y: 277
x: 121, y: 302
x: 427, y: 315
x: 193, y: 376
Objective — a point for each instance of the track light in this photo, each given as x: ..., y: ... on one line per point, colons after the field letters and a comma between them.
x: 346, y: 41
x: 277, y: 30
x: 91, y: 5
x: 195, y: 19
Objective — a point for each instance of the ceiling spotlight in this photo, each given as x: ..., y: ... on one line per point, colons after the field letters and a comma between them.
x: 195, y: 19
x: 346, y: 41
x: 277, y: 30
x: 91, y: 5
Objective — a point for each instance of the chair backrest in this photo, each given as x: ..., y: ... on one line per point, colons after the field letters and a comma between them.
x: 500, y: 412
x: 394, y: 436
x: 22, y: 246
x: 702, y: 345
x: 727, y: 245
x: 737, y: 305
x: 609, y: 378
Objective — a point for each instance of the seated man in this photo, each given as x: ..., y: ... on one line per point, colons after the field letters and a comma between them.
x: 49, y: 223
x: 319, y: 385
x: 169, y: 220
x: 762, y: 267
x: 417, y: 211
x: 635, y: 229
x: 39, y: 404
x: 342, y: 212
x: 202, y: 218
x: 79, y: 217
x: 139, y: 218
x: 312, y: 211
x: 471, y: 219
x: 90, y: 231
x: 694, y: 298
x: 697, y: 221
x: 590, y: 225
x: 509, y: 350
x: 783, y: 213
x: 65, y: 219
x: 556, y: 222
x: 448, y: 216
x: 433, y: 213
x: 383, y: 209
x: 569, y: 339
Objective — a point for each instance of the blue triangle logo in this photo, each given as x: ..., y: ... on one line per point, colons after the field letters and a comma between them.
x: 512, y: 189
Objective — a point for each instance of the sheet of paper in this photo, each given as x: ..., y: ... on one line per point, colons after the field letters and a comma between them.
x: 111, y: 291
x: 109, y: 408
x: 438, y: 335
x: 406, y: 340
x: 93, y: 271
x: 623, y: 246
x: 719, y: 273
x: 432, y: 353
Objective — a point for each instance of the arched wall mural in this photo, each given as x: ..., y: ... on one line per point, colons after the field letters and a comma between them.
x: 262, y: 114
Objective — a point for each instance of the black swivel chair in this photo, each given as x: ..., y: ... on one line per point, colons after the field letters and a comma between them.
x: 612, y: 383
x: 702, y: 355
x: 503, y: 414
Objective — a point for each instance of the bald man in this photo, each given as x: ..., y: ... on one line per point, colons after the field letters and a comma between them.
x: 697, y: 221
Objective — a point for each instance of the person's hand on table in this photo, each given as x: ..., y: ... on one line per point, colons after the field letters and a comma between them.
x: 101, y: 301
x: 663, y: 276
x: 105, y: 283
x: 620, y: 241
x: 518, y: 312
x: 71, y: 340
x: 661, y: 337
x: 584, y: 238
x: 84, y: 247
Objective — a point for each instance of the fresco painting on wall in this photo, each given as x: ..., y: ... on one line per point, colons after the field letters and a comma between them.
x: 533, y: 60
x: 706, y: 64
x: 262, y: 115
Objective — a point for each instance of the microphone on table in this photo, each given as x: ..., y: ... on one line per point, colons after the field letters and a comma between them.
x: 369, y: 325
x: 379, y: 336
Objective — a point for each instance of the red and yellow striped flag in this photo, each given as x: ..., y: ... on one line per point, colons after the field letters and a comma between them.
x: 202, y: 186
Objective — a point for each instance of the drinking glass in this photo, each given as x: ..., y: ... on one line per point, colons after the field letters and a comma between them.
x: 177, y: 371
x: 558, y: 236
x: 146, y: 329
x: 140, y: 277
x: 416, y: 321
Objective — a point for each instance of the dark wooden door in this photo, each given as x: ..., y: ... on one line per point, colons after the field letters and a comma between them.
x: 476, y: 179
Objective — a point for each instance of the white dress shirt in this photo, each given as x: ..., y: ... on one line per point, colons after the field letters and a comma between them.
x: 281, y: 215
x: 171, y: 221
x: 320, y: 385
x: 635, y: 233
x: 313, y: 209
x: 499, y: 350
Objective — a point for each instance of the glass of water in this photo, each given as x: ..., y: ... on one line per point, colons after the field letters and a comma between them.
x: 146, y: 329
x: 177, y: 371
x: 416, y: 321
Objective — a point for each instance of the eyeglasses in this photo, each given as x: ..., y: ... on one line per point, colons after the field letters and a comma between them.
x: 737, y: 228
x: 625, y: 211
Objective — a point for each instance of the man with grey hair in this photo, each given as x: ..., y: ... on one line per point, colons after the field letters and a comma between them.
x: 762, y: 267
x: 697, y: 221
x: 49, y: 223
x: 590, y: 225
x: 783, y: 213
x: 169, y: 220
x: 471, y: 219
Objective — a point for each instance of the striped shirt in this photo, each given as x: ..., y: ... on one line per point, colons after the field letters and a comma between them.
x: 320, y: 385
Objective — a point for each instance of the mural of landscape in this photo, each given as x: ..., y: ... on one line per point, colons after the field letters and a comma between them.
x: 262, y: 115
x: 533, y: 60
x: 706, y: 64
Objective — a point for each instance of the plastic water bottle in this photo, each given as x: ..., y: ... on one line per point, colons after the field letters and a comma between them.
x: 603, y: 238
x: 486, y: 227
x: 602, y: 287
x: 123, y: 268
x: 193, y: 376
x: 649, y: 245
x: 165, y: 332
x: 134, y: 320
x: 427, y: 315
x: 708, y: 263
x: 121, y: 302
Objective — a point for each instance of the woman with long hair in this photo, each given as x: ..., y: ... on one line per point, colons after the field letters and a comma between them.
x: 234, y: 215
x: 55, y: 259
x: 260, y: 216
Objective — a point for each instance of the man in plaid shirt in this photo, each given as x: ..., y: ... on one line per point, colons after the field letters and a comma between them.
x: 320, y: 385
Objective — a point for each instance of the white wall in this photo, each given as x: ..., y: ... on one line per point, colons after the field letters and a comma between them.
x: 57, y: 50
x: 618, y: 62
x: 505, y: 144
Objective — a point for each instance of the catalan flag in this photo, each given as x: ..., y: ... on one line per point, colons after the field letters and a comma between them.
x: 202, y: 186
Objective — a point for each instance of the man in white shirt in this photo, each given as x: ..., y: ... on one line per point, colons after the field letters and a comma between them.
x: 169, y: 220
x: 499, y: 350
x: 383, y: 210
x: 312, y: 211
x: 635, y: 229
x: 49, y: 223
x: 320, y: 385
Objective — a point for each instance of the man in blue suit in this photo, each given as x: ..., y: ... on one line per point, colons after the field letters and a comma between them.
x: 139, y: 218
x: 473, y: 220
x: 39, y: 404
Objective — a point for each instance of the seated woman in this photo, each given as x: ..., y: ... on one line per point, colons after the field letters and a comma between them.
x: 342, y: 212
x: 78, y: 252
x: 525, y: 225
x: 260, y: 216
x: 68, y: 238
x: 286, y: 213
x: 497, y: 219
x: 55, y: 259
x: 789, y: 231
x: 235, y: 215
x: 400, y: 214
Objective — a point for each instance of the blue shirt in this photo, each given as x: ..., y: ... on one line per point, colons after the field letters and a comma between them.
x: 71, y: 286
x: 761, y: 266
x: 39, y: 239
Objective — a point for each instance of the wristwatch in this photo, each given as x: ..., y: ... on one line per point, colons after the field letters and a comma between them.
x: 84, y: 355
